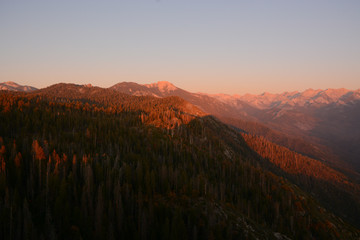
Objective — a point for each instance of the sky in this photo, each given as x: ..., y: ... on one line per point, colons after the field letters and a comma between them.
x: 212, y: 46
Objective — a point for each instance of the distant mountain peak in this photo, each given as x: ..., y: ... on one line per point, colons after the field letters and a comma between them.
x: 310, y: 92
x: 163, y: 86
x: 267, y: 94
x: 336, y: 93
x: 13, y: 86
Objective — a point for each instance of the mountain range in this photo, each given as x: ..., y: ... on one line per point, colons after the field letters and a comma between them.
x: 309, y: 97
x: 319, y: 123
x: 327, y: 117
x: 323, y: 122
x: 149, y: 162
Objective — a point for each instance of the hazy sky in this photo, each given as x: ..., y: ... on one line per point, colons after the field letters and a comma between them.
x: 199, y: 45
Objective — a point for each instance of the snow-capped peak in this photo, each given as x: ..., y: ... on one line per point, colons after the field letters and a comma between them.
x: 336, y: 93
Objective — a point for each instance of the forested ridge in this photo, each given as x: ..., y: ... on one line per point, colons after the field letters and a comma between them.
x: 334, y: 189
x: 101, y: 165
x: 291, y: 142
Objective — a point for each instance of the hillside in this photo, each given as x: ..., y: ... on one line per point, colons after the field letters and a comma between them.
x: 332, y: 188
x: 92, y: 163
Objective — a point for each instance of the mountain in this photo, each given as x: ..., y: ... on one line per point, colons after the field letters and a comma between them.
x: 223, y: 106
x: 82, y: 162
x: 238, y: 113
x: 206, y: 103
x: 159, y: 89
x: 121, y: 101
x: 318, y: 123
x: 328, y: 117
x: 11, y: 86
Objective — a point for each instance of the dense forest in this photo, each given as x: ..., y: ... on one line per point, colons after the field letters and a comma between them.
x: 88, y: 164
x: 335, y: 190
